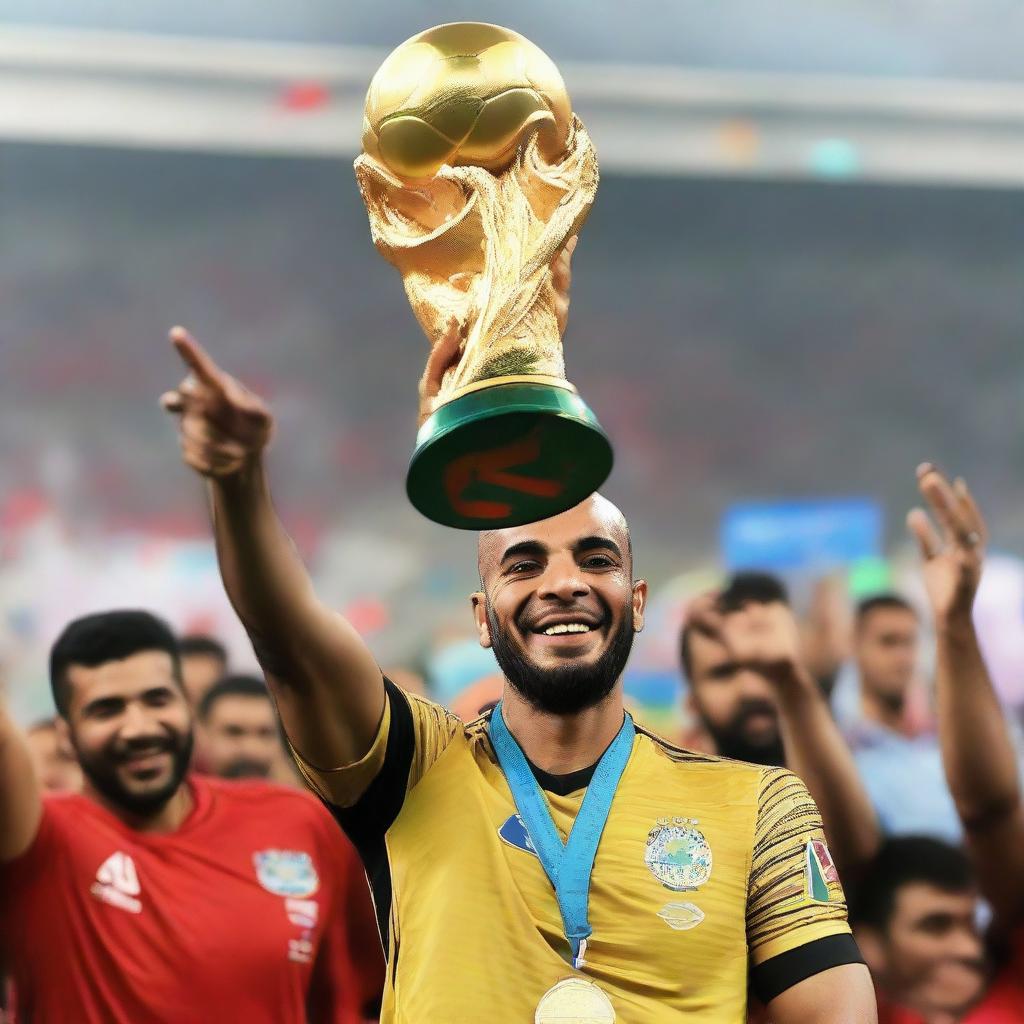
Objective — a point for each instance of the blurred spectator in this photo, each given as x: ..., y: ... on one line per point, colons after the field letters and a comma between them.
x: 407, y: 679
x: 742, y: 654
x: 735, y: 704
x: 478, y: 697
x: 241, y: 737
x: 899, y: 763
x: 914, y: 916
x: 55, y: 764
x: 153, y: 896
x: 204, y: 660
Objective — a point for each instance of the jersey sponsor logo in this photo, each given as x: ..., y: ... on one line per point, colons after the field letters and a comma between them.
x: 300, y: 951
x: 678, y: 855
x: 117, y: 883
x: 286, y: 872
x: 681, y: 917
x: 513, y: 832
x: 302, y: 913
x: 820, y: 871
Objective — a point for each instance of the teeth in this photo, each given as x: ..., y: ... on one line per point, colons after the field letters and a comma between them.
x: 567, y: 627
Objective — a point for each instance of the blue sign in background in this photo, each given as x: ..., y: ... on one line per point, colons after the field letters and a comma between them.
x: 794, y: 535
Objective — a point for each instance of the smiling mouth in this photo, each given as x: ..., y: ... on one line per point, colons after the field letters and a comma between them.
x: 144, y: 762
x: 565, y: 628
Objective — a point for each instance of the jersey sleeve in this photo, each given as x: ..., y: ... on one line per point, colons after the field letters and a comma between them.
x: 412, y: 734
x: 796, y: 910
x: 45, y: 850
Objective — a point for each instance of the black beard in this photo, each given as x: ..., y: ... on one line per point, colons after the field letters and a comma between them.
x: 731, y: 741
x: 246, y: 768
x: 570, y: 688
x: 101, y: 771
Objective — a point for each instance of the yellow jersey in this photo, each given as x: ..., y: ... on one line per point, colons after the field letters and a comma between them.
x: 711, y: 876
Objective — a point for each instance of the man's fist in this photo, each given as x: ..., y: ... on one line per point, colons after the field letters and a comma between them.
x: 761, y: 637
x: 223, y: 425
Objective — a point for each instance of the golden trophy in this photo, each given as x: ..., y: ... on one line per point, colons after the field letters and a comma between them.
x: 475, y: 173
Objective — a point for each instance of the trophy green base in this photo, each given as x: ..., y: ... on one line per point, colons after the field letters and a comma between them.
x: 507, y: 454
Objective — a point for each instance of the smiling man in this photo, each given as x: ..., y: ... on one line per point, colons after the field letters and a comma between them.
x: 154, y: 897
x: 550, y: 861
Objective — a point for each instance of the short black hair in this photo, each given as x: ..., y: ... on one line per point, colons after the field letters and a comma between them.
x: 202, y: 644
x: 107, y: 636
x: 232, y: 686
x: 904, y: 861
x: 740, y: 589
x: 879, y: 602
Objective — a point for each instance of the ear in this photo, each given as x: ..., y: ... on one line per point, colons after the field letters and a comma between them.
x: 60, y: 724
x: 483, y: 628
x: 639, y: 604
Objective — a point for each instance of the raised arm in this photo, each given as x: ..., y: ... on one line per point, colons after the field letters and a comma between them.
x: 977, y: 751
x: 765, y: 638
x: 21, y: 804
x: 328, y: 688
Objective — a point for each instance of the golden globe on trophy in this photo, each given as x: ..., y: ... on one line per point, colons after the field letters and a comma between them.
x: 475, y: 173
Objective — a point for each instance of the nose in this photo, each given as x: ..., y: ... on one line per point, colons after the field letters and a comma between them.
x: 563, y: 580
x: 754, y: 686
x: 138, y: 723
x: 966, y: 944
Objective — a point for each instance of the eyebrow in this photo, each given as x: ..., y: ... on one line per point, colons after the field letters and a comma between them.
x: 524, y: 547
x: 594, y: 542
x: 102, y: 703
x: 534, y: 547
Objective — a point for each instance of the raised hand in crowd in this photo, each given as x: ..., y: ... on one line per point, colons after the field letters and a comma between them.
x: 764, y: 639
x: 826, y: 631
x: 977, y: 750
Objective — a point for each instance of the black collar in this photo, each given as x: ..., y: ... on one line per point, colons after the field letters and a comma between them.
x: 563, y: 785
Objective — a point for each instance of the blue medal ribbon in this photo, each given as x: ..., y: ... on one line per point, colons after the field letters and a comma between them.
x: 567, y: 866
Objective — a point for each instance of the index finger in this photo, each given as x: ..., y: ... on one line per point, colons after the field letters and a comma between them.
x: 197, y: 359
x: 936, y: 491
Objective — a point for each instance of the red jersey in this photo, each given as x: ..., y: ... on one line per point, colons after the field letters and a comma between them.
x: 1004, y: 1001
x: 239, y: 915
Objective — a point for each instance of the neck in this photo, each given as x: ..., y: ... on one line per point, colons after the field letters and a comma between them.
x: 560, y: 744
x: 885, y: 712
x: 168, y: 818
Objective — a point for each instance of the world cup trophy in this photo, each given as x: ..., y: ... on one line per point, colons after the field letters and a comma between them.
x: 475, y: 173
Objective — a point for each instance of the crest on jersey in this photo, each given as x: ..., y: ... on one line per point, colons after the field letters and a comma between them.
x: 820, y: 870
x: 678, y: 855
x: 513, y: 832
x: 286, y: 872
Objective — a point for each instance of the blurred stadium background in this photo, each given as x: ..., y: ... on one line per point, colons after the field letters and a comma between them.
x: 802, y: 276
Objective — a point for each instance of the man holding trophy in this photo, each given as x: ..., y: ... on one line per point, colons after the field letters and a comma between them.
x: 551, y: 861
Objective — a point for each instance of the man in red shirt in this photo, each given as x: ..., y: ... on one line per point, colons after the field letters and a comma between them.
x: 153, y: 896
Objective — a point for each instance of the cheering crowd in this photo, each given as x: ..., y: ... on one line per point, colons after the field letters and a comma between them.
x: 162, y: 860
